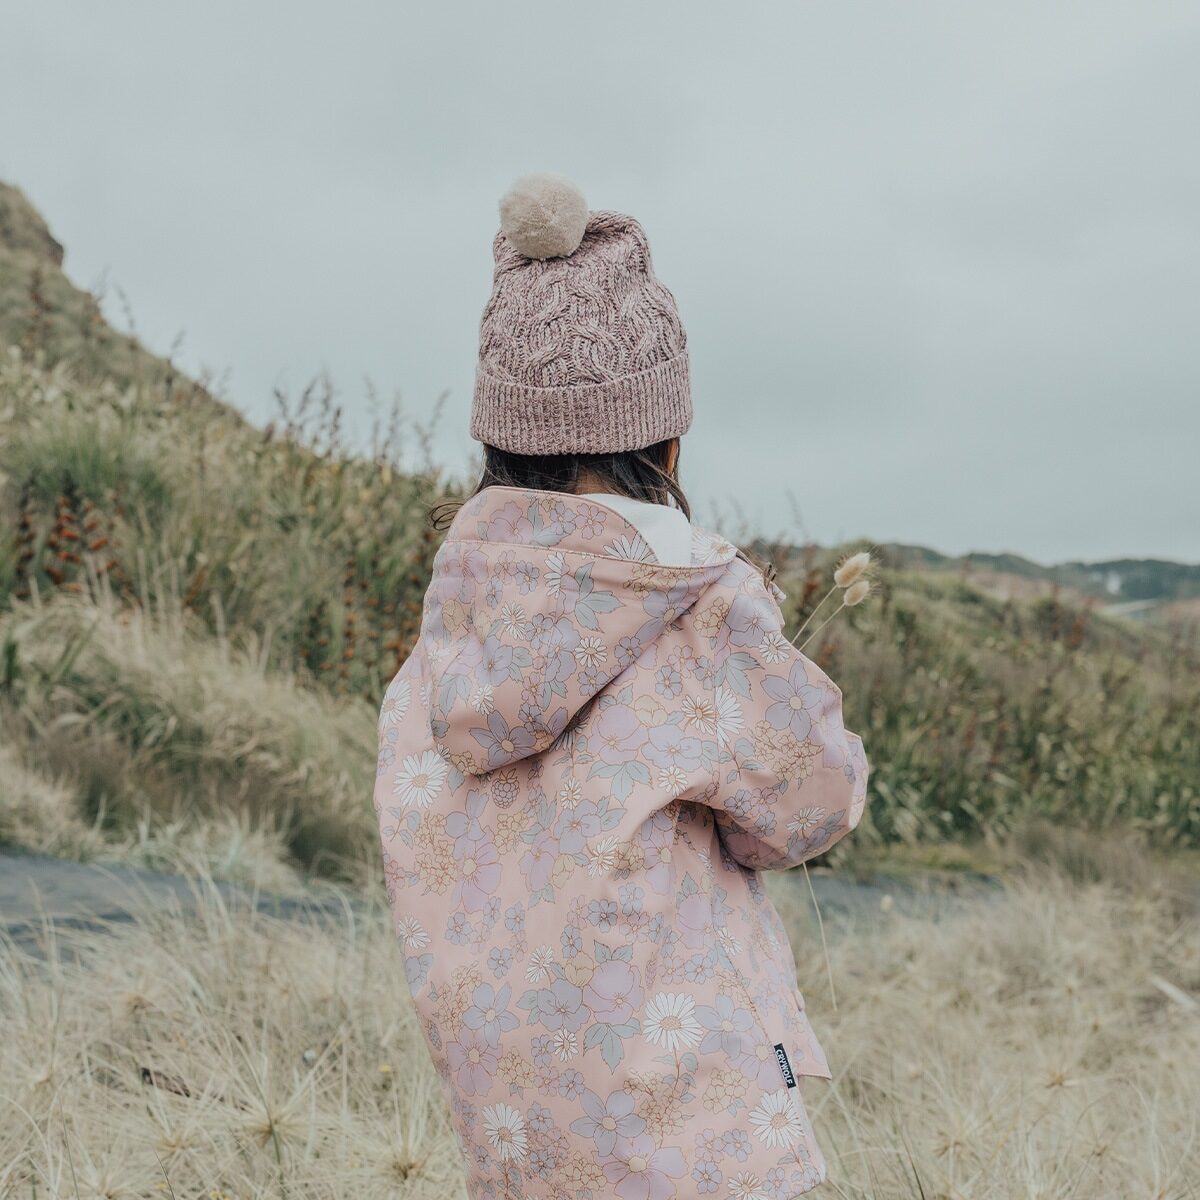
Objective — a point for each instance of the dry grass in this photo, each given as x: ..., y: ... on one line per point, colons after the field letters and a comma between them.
x: 1019, y: 1049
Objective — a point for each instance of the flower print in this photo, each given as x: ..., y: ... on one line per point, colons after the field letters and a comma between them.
x: 606, y: 1120
x: 571, y: 941
x: 696, y: 920
x: 640, y: 1172
x: 473, y: 1060
x: 510, y: 524
x: 710, y: 619
x: 537, y: 863
x: 668, y: 683
x: 512, y: 620
x: 619, y: 735
x: 416, y: 970
x: 671, y: 747
x: 503, y: 743
x: 570, y: 793
x: 613, y: 993
x: 492, y: 591
x: 504, y: 1128
x: 395, y: 702
x: 668, y: 606
x: 725, y: 1024
x: 773, y: 648
x: 560, y: 1006
x: 806, y: 820
x: 591, y: 652
x: 736, y: 1142
x: 420, y: 778
x: 707, y: 1175
x: 483, y: 699
x: 749, y: 619
x: 602, y: 914
x: 627, y: 651
x: 796, y: 701
x: 776, y: 1120
x: 489, y: 1011
x: 650, y: 712
x: 575, y: 825
x: 590, y: 521
x: 602, y: 857
x: 759, y: 1065
x: 556, y: 571
x: 729, y: 716
x: 465, y: 824
x: 563, y: 518
x: 634, y: 549
x: 700, y: 713
x: 673, y: 781
x: 496, y: 661
x: 541, y: 964
x: 566, y: 1044
x: 671, y: 1021
x: 500, y: 961
x: 458, y: 929
x: 526, y: 577
x: 412, y: 936
x: 745, y: 1185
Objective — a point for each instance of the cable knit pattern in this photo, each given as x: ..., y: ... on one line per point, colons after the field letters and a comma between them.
x: 584, y: 353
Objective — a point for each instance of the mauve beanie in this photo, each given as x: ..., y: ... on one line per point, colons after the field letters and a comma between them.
x: 581, y: 350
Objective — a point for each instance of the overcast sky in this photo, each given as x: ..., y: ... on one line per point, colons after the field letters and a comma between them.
x: 939, y: 262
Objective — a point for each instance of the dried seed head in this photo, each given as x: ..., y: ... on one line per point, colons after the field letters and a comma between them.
x: 856, y: 593
x: 852, y: 569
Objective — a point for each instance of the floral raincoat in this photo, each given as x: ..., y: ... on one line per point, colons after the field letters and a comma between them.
x: 583, y: 768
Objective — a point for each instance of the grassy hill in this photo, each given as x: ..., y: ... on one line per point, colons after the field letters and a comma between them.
x: 197, y: 619
x: 1158, y: 583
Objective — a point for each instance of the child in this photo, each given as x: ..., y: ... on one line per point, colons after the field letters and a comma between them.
x: 601, y: 738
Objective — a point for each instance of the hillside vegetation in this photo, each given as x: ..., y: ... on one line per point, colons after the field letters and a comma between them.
x: 197, y: 619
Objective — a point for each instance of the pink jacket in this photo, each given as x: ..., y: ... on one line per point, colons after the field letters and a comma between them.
x: 583, y: 767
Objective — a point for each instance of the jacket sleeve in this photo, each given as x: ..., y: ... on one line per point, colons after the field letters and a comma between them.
x: 791, y: 779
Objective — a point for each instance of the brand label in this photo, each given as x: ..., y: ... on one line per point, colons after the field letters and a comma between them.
x: 784, y: 1065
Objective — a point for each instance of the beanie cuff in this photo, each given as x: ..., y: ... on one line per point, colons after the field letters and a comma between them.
x: 600, y: 418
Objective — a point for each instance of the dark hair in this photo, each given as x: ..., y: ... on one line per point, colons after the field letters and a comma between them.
x: 639, y: 474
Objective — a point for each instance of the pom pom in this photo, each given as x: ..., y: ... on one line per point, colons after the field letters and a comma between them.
x: 543, y: 216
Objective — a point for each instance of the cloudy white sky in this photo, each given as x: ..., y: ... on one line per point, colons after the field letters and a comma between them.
x: 939, y: 262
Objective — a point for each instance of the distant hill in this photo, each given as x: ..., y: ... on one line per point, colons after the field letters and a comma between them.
x: 1133, y: 586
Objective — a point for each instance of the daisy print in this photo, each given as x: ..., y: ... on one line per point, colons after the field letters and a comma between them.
x: 633, y: 549
x: 591, y: 651
x: 671, y: 1021
x: 396, y: 701
x: 420, y: 778
x: 512, y: 620
x: 745, y: 1185
x: 483, y: 699
x: 556, y: 569
x: 776, y: 1120
x: 729, y: 716
x: 412, y: 936
x: 806, y: 820
x: 774, y: 647
x: 541, y: 964
x: 700, y: 713
x: 504, y: 1128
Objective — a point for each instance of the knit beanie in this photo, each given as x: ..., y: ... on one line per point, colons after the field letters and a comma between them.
x: 581, y: 350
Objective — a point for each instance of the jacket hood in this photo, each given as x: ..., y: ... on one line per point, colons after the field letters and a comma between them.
x: 538, y: 600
